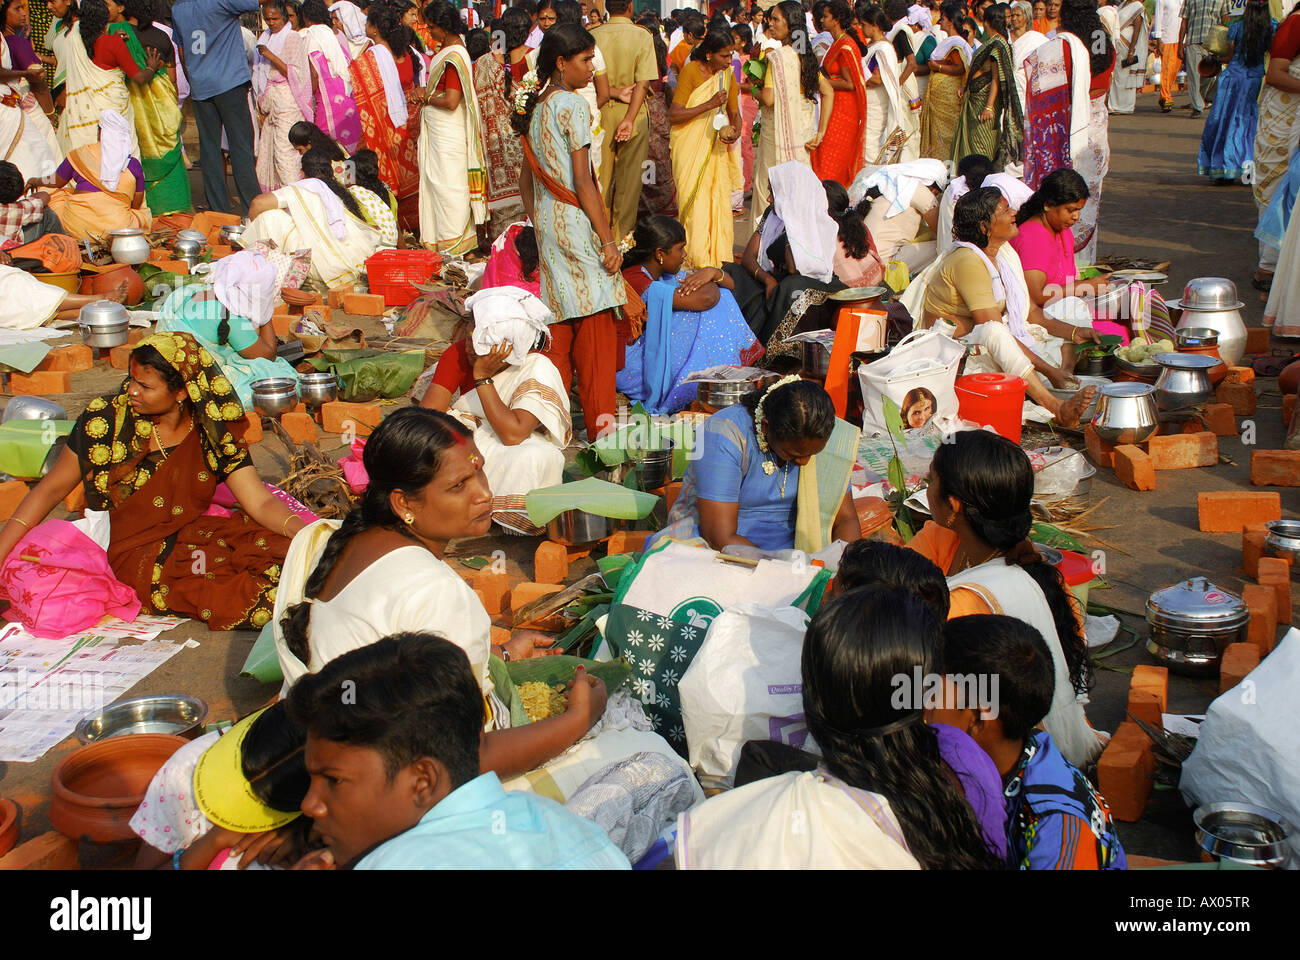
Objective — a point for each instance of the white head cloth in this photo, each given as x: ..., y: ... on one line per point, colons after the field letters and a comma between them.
x: 247, y: 285
x: 508, y: 315
x: 114, y: 148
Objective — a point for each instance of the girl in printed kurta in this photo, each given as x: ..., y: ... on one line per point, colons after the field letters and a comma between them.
x: 152, y: 455
x: 495, y: 79
x: 578, y: 251
x: 282, y: 95
x: 841, y: 154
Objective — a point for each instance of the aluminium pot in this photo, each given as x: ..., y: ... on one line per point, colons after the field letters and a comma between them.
x: 1227, y: 324
x: 718, y: 394
x: 1282, y: 542
x: 104, y: 324
x: 318, y: 387
x: 1126, y: 412
x: 129, y: 245
x: 1184, y: 383
x: 577, y: 527
x: 1192, y: 623
x: 275, y: 397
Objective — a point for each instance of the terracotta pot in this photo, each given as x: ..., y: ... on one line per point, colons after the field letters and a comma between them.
x: 1217, y: 372
x: 9, y: 819
x: 1289, y: 379
x: 98, y: 787
x: 103, y: 283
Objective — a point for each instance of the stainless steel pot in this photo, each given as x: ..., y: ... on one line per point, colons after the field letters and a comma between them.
x: 1126, y: 412
x: 720, y: 394
x: 1282, y: 541
x: 816, y: 359
x: 1243, y: 833
x: 104, y: 324
x: 1197, y: 337
x: 1208, y: 293
x: 1184, y: 383
x: 187, y: 247
x: 33, y: 408
x: 192, y: 235
x: 274, y: 397
x: 1226, y: 323
x: 654, y: 468
x: 1191, y: 624
x: 1093, y: 365
x: 129, y: 245
x: 576, y: 527
x: 232, y: 235
x: 318, y: 387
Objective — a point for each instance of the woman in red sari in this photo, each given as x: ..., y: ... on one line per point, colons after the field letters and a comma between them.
x: 841, y: 154
x: 496, y: 75
x: 386, y: 83
x: 152, y: 455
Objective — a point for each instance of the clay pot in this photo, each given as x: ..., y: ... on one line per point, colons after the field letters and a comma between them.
x: 1288, y: 381
x: 103, y: 283
x: 9, y: 819
x: 98, y: 787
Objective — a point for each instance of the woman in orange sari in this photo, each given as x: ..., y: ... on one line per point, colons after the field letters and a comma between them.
x: 387, y: 85
x: 100, y: 186
x: 842, y: 153
x: 152, y: 455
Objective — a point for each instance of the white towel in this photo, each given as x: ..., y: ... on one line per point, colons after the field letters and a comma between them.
x: 508, y: 315
x: 897, y: 182
x: 114, y: 148
x: 799, y: 208
x: 392, y: 83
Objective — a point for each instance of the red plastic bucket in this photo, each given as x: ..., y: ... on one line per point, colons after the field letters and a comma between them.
x: 994, y: 400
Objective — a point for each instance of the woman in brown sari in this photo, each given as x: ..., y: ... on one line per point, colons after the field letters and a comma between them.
x: 152, y: 455
x: 496, y: 75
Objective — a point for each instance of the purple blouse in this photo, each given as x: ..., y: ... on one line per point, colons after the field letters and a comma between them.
x: 980, y: 782
x: 21, y: 53
x: 68, y: 172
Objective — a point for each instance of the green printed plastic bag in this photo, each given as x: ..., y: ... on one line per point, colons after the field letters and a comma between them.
x: 262, y: 663
x: 367, y: 374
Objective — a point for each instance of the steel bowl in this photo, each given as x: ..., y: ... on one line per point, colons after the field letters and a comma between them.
x: 1126, y: 412
x: 1192, y: 623
x: 719, y: 394
x: 1196, y: 337
x: 1093, y: 365
x: 1282, y: 540
x: 1243, y: 833
x: 1146, y: 372
x: 1065, y: 393
x: 654, y: 468
x: 318, y: 387
x: 1227, y: 324
x: 1208, y: 293
x: 576, y: 527
x: 1184, y: 383
x: 129, y: 245
x: 232, y: 234
x: 275, y: 397
x: 857, y: 294
x: 1112, y: 303
x: 169, y: 713
x: 188, y: 234
x: 816, y: 359
x: 104, y: 324
x: 32, y: 408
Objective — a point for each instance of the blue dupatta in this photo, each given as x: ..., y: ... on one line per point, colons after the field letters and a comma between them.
x: 656, y: 371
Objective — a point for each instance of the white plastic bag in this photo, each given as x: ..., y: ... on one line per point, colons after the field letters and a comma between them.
x: 924, y: 364
x: 1249, y: 745
x: 744, y: 684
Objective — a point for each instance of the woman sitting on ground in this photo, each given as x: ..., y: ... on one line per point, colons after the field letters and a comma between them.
x: 511, y: 396
x: 857, y: 264
x: 304, y: 135
x: 882, y: 797
x: 100, y: 186
x: 231, y: 319
x: 746, y: 488
x: 152, y: 455
x: 320, y: 214
x: 979, y: 281
x: 692, y: 322
x: 979, y: 490
x: 378, y: 208
x: 1056, y: 820
x: 381, y: 571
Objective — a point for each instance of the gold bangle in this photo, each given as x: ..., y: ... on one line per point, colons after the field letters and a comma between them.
x: 284, y: 527
x: 22, y: 521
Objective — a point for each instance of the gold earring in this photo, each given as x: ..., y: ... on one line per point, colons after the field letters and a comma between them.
x: 409, y: 519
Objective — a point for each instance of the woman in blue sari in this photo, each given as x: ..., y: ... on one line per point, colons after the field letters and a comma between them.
x: 770, y: 472
x: 231, y: 318
x: 692, y: 322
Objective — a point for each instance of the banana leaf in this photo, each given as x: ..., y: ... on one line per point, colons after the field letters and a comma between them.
x: 561, y: 669
x: 611, y: 568
x: 591, y: 495
x: 474, y: 563
x: 585, y: 628
x: 262, y: 664
x: 367, y: 374
x: 506, y: 691
x: 622, y: 444
x: 1052, y: 536
x: 24, y: 445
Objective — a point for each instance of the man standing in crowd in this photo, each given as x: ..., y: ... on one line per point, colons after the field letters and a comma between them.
x: 630, y: 61
x: 211, y: 45
x: 1166, y: 29
x: 1198, y: 17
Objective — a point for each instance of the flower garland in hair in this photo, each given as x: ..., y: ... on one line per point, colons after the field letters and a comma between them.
x: 769, y: 467
x: 627, y: 243
x: 528, y: 85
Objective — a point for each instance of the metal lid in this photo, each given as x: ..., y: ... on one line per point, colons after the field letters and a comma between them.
x: 1186, y: 361
x: 1196, y: 604
x: 1127, y: 388
x: 103, y: 313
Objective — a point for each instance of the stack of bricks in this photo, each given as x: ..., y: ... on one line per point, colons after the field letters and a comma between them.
x: 1127, y: 765
x: 1177, y: 447
x: 1237, y: 389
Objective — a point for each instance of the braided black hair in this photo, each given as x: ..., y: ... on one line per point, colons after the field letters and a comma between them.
x: 565, y: 40
x: 851, y: 220
x: 317, y: 164
x: 801, y: 410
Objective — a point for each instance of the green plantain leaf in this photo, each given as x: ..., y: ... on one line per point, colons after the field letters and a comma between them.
x: 893, y: 419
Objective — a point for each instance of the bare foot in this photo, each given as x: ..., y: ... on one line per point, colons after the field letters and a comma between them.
x: 118, y: 293
x: 1071, y: 410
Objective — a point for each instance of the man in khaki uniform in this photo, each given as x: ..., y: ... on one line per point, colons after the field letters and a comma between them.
x: 629, y: 61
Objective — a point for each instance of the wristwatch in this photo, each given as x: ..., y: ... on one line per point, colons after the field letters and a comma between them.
x: 483, y: 382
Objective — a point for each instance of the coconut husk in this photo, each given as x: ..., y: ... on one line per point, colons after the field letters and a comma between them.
x: 314, y: 479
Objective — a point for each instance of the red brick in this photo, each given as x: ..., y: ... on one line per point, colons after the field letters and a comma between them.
x: 364, y: 304
x: 1257, y: 340
x: 317, y: 313
x: 1220, y: 420
x: 11, y: 494
x: 334, y: 299
x: 252, y: 427
x: 1240, y: 396
x: 71, y: 359
x: 1240, y: 375
x: 550, y: 563
x: 135, y: 335
x: 1275, y: 468
x: 1238, y: 660
x: 670, y: 494
x: 494, y: 588
x: 1288, y: 408
x: 39, y: 383
x: 525, y: 593
x: 1100, y: 451
x: 1276, y: 573
x: 300, y: 427
x: 1124, y: 773
x: 221, y: 250
x: 1184, y: 451
x: 50, y: 851
x: 628, y: 541
x: 498, y: 635
x: 1146, y: 707
x: 1133, y: 468
x: 1228, y: 511
x: 282, y: 323
x: 1252, y: 547
x: 1262, y: 602
x: 337, y: 416
x: 120, y: 357
x: 1154, y: 680
x: 75, y: 502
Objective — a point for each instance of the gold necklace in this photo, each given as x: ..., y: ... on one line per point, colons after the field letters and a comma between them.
x: 158, y: 439
x: 785, y: 475
x: 968, y: 564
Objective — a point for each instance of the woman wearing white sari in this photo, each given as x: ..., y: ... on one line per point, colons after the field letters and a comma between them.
x: 1024, y: 41
x: 319, y: 214
x: 453, y: 181
x: 787, y: 105
x: 1130, y: 39
x: 349, y: 27
x: 282, y: 94
x: 892, y: 135
x: 26, y: 135
x: 510, y: 396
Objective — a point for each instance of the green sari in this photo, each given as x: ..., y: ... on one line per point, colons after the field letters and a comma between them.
x: 1001, y: 138
x: 158, y: 128
x: 823, y: 481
